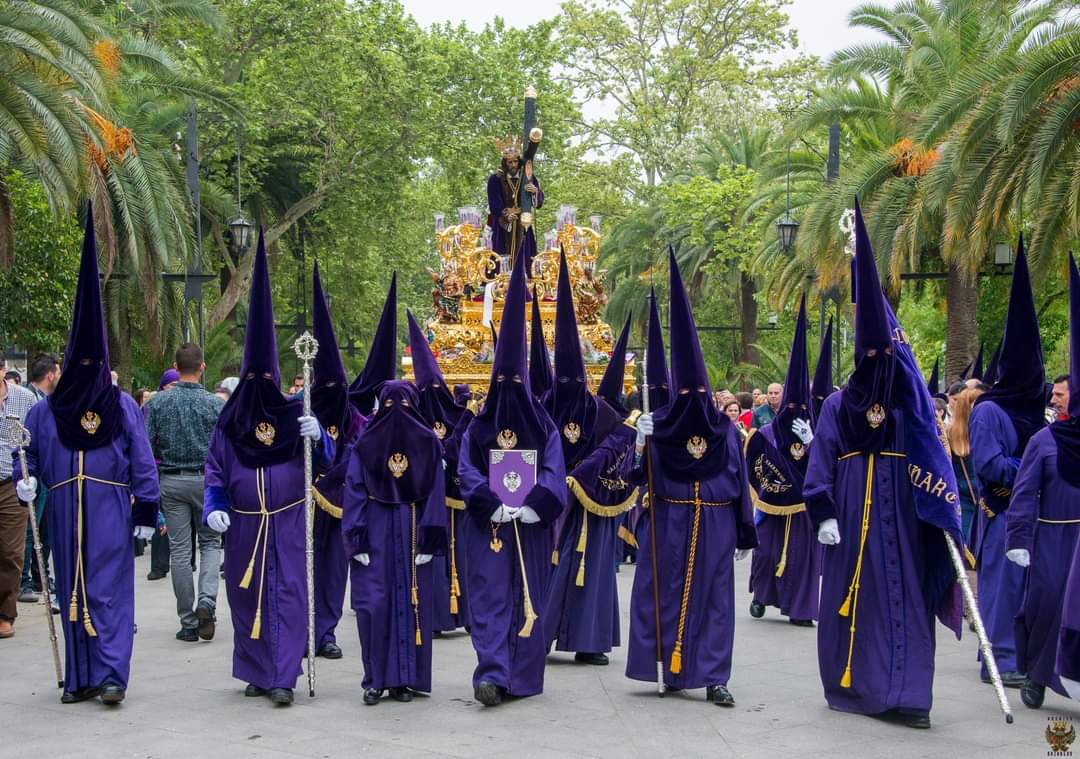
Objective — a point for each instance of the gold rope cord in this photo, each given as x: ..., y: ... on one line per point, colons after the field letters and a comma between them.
x: 782, y: 564
x: 262, y: 540
x: 583, y: 538
x: 415, y: 592
x: 455, y: 588
x: 851, y: 603
x: 676, y: 655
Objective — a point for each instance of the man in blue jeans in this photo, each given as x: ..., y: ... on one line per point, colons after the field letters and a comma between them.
x: 179, y: 424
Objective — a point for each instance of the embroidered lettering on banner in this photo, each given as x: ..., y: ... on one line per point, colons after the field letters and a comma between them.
x: 771, y: 481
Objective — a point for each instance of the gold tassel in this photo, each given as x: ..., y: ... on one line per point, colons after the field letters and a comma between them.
x: 845, y: 681
x: 245, y: 581
x: 453, y: 603
x: 580, y: 580
x: 781, y: 566
x: 256, y: 627
x: 676, y: 660
x: 555, y: 558
x: 419, y: 642
x: 88, y: 625
x: 73, y: 609
x: 845, y: 608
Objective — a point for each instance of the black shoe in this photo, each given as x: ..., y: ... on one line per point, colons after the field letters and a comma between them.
x: 436, y: 633
x: 1032, y: 694
x: 206, y: 622
x: 801, y: 622
x: 914, y: 718
x: 1008, y: 679
x: 156, y: 575
x: 112, y: 694
x: 27, y: 595
x: 75, y: 697
x: 597, y: 659
x: 187, y: 634
x: 757, y: 609
x: 488, y: 693
x: 719, y: 695
x: 372, y: 696
x: 404, y: 695
x: 330, y: 650
x: 281, y: 696
x: 254, y: 691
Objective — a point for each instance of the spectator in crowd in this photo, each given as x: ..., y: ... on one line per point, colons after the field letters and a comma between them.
x: 44, y: 374
x: 179, y: 423
x: 15, y: 402
x: 767, y: 411
x: 160, y: 544
x: 758, y: 396
x: 1059, y: 398
x: 953, y: 394
x: 13, y: 376
x: 297, y: 385
x: 226, y: 387
x: 734, y: 411
x: 746, y: 403
x: 142, y: 396
x: 960, y: 445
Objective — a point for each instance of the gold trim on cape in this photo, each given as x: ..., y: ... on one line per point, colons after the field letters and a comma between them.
x: 593, y: 507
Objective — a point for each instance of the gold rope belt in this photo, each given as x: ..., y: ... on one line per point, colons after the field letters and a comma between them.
x: 591, y: 506
x: 262, y: 539
x: 851, y: 603
x: 455, y: 587
x: 79, y: 580
x: 676, y: 654
x: 415, y: 590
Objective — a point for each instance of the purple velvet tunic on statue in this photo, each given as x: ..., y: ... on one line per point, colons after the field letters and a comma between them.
x: 114, y: 473
x: 386, y: 619
x: 582, y: 607
x: 995, y: 459
x: 892, y: 655
x: 1044, y: 519
x: 265, y: 564
x: 494, y: 577
x: 500, y: 198
x: 787, y: 561
x: 708, y: 630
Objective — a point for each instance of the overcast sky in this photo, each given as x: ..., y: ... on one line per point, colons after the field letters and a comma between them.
x: 822, y: 24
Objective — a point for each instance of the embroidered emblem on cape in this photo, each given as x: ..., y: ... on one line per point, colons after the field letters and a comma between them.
x: 332, y: 431
x: 265, y: 433
x: 439, y: 429
x: 506, y: 439
x: 512, y: 481
x: 697, y: 446
x: 798, y: 450
x: 397, y: 464
x: 90, y: 422
x: 572, y: 432
x: 875, y: 415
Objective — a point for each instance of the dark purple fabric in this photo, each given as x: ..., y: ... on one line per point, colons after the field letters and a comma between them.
x: 1020, y: 386
x: 260, y: 422
x: 611, y: 384
x: 690, y: 433
x: 168, y: 377
x: 569, y: 403
x: 977, y: 365
x: 86, y: 404
x: 991, y: 373
x: 541, y: 376
x: 822, y: 386
x: 934, y: 383
x: 330, y: 385
x: 1067, y: 433
x: 657, y: 379
x: 382, y: 358
x: 399, y: 452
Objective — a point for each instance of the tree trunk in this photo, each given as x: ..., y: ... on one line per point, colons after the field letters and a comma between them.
x: 962, y: 332
x: 748, y: 315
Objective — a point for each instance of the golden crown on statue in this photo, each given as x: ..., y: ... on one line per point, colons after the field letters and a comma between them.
x: 509, y: 147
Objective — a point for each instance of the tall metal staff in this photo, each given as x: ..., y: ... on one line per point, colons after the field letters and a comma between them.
x: 306, y: 347
x: 20, y: 438
x: 652, y: 525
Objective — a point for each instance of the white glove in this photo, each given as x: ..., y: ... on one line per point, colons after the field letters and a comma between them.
x: 503, y: 514
x: 1019, y: 556
x: 422, y: 559
x: 218, y: 521
x: 26, y: 489
x: 444, y: 464
x: 828, y: 534
x: 309, y: 427
x: 741, y: 554
x: 1072, y: 687
x: 801, y: 428
x: 142, y: 532
x: 645, y: 428
x: 364, y: 559
x: 526, y: 515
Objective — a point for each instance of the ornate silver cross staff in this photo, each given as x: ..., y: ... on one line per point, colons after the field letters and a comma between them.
x: 19, y: 437
x: 306, y: 347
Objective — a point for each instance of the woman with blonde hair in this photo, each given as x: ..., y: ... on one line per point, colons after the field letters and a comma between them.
x: 960, y: 445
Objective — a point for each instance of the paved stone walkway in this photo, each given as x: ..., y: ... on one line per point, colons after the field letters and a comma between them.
x: 183, y: 703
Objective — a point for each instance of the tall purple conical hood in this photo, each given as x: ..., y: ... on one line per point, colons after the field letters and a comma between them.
x: 540, y: 374
x: 795, y: 403
x: 86, y: 404
x: 425, y: 367
x: 510, y: 352
x: 437, y: 403
x: 569, y: 403
x: 934, y: 383
x: 382, y: 358
x: 657, y: 379
x: 991, y: 373
x: 822, y: 386
x: 977, y: 365
x: 691, y: 434
x: 258, y: 419
x: 611, y: 384
x: 330, y: 385
x: 871, y: 324
x: 1019, y: 388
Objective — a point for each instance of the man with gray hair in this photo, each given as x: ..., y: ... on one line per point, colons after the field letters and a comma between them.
x: 767, y: 411
x: 179, y: 424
